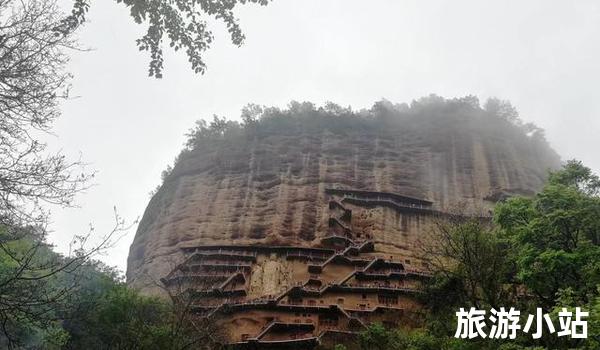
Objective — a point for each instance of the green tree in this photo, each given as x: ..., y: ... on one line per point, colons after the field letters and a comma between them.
x: 470, y: 261
x: 38, y: 287
x: 541, y: 252
x: 503, y: 109
x: 120, y: 318
x: 555, y: 235
x: 183, y: 23
x: 377, y: 337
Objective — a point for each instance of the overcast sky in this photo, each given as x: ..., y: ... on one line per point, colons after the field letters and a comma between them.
x: 541, y: 55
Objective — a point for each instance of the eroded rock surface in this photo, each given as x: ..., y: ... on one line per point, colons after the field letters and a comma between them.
x: 269, y: 190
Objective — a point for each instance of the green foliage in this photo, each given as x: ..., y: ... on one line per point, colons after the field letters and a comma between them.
x: 305, y: 117
x: 542, y: 252
x: 83, y: 306
x: 183, y: 23
x: 29, y: 288
x: 594, y: 323
x: 121, y: 318
x: 377, y: 337
x: 472, y: 268
x: 555, y: 235
x: 431, y: 115
x: 575, y: 175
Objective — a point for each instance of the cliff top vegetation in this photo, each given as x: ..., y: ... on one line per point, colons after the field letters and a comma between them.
x: 432, y: 114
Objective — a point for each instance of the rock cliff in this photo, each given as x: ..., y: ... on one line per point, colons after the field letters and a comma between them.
x: 271, y: 184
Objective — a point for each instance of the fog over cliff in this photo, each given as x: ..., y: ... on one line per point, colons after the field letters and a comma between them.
x: 263, y: 182
x: 540, y: 55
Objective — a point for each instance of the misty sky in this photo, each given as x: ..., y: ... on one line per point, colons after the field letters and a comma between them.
x: 541, y: 55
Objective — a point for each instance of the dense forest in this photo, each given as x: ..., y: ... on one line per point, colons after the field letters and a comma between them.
x: 49, y: 301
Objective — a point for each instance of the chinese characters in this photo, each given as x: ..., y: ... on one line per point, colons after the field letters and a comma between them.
x: 504, y: 324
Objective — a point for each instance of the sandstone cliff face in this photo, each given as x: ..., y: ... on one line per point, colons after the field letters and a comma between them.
x: 268, y: 188
x: 307, y: 224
